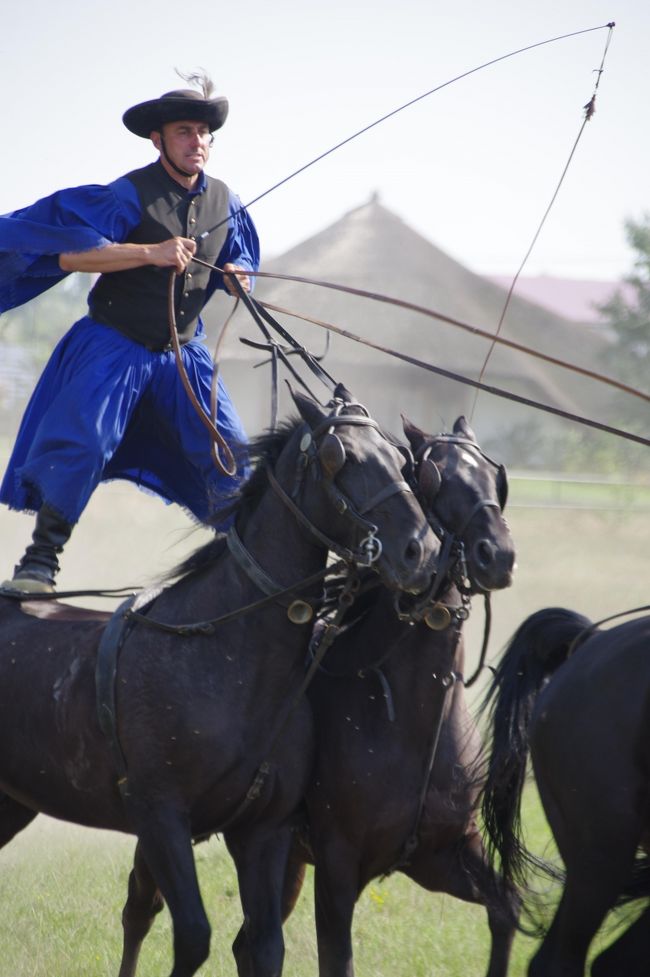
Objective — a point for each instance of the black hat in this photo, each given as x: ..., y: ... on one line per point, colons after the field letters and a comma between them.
x: 142, y: 119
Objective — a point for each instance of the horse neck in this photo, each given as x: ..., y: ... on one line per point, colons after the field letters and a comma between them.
x: 279, y: 544
x: 409, y: 656
x: 430, y: 652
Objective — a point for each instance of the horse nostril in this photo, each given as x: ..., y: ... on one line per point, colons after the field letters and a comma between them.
x: 413, y: 552
x: 484, y: 553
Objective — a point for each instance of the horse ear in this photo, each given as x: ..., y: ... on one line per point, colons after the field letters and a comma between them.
x: 310, y: 411
x: 462, y: 427
x: 414, y: 435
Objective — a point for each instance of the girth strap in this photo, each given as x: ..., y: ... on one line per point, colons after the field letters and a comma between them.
x: 110, y: 645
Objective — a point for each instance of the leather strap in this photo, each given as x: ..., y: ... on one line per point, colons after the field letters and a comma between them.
x: 229, y: 466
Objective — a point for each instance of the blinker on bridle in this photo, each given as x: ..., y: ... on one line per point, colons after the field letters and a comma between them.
x: 322, y: 451
x: 436, y: 615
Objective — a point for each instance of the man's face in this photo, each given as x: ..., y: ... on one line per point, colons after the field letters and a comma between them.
x: 187, y: 144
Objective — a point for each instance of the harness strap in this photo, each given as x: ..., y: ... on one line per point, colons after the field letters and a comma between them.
x: 384, y: 494
x: 342, y: 551
x: 481, y: 504
x: 110, y: 645
x: 592, y: 628
x: 250, y: 566
x: 328, y: 636
x: 486, y: 637
x: 447, y: 681
x: 208, y: 627
x: 260, y: 315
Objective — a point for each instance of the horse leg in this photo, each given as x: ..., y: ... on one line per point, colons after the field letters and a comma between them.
x: 260, y: 858
x: 597, y: 828
x: 462, y: 871
x: 294, y: 878
x: 13, y: 818
x: 144, y: 901
x: 165, y: 842
x: 293, y: 882
x: 629, y: 954
x: 336, y: 883
x: 583, y: 906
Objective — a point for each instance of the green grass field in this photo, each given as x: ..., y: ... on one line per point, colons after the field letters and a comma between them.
x: 62, y: 888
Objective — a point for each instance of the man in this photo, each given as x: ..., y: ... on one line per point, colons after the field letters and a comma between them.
x: 110, y: 403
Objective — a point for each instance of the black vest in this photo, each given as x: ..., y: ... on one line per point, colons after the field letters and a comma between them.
x: 135, y: 302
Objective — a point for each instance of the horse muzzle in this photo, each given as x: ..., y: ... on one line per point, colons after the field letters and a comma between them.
x: 489, y: 566
x: 411, y: 567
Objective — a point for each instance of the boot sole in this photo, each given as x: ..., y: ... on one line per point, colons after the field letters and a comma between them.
x: 27, y: 586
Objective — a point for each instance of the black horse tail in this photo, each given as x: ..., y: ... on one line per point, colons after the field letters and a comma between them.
x: 537, y: 649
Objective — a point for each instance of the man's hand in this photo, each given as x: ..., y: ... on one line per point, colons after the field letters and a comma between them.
x: 175, y: 253
x: 242, y: 277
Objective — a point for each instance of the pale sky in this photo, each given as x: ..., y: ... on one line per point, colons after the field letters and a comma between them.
x: 471, y: 167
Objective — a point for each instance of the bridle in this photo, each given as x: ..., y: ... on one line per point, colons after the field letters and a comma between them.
x: 426, y: 478
x: 323, y: 453
x: 452, y: 563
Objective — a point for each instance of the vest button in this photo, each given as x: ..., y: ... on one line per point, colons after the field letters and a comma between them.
x: 192, y: 220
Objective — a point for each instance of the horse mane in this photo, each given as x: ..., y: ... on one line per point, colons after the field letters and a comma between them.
x: 264, y: 452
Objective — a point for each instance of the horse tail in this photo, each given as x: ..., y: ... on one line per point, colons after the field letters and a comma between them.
x: 537, y: 649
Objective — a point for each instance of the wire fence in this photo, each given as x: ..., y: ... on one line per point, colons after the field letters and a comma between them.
x: 561, y: 491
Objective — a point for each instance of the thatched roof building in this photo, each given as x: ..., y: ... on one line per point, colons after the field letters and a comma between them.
x: 373, y: 249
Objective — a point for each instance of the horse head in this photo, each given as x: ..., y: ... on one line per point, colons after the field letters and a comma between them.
x: 347, y: 481
x: 466, y: 491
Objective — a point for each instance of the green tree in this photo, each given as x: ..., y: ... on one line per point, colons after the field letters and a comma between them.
x: 628, y: 319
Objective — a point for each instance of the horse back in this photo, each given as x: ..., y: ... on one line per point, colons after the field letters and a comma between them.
x: 590, y: 731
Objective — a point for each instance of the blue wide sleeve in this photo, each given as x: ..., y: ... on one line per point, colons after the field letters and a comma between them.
x: 241, y: 247
x: 76, y: 219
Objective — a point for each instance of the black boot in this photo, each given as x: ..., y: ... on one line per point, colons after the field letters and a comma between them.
x: 36, y: 571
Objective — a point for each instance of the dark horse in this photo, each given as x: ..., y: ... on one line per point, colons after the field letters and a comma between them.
x: 579, y: 698
x: 209, y: 722
x: 393, y: 784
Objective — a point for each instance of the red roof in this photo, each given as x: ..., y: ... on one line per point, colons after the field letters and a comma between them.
x: 576, y: 299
